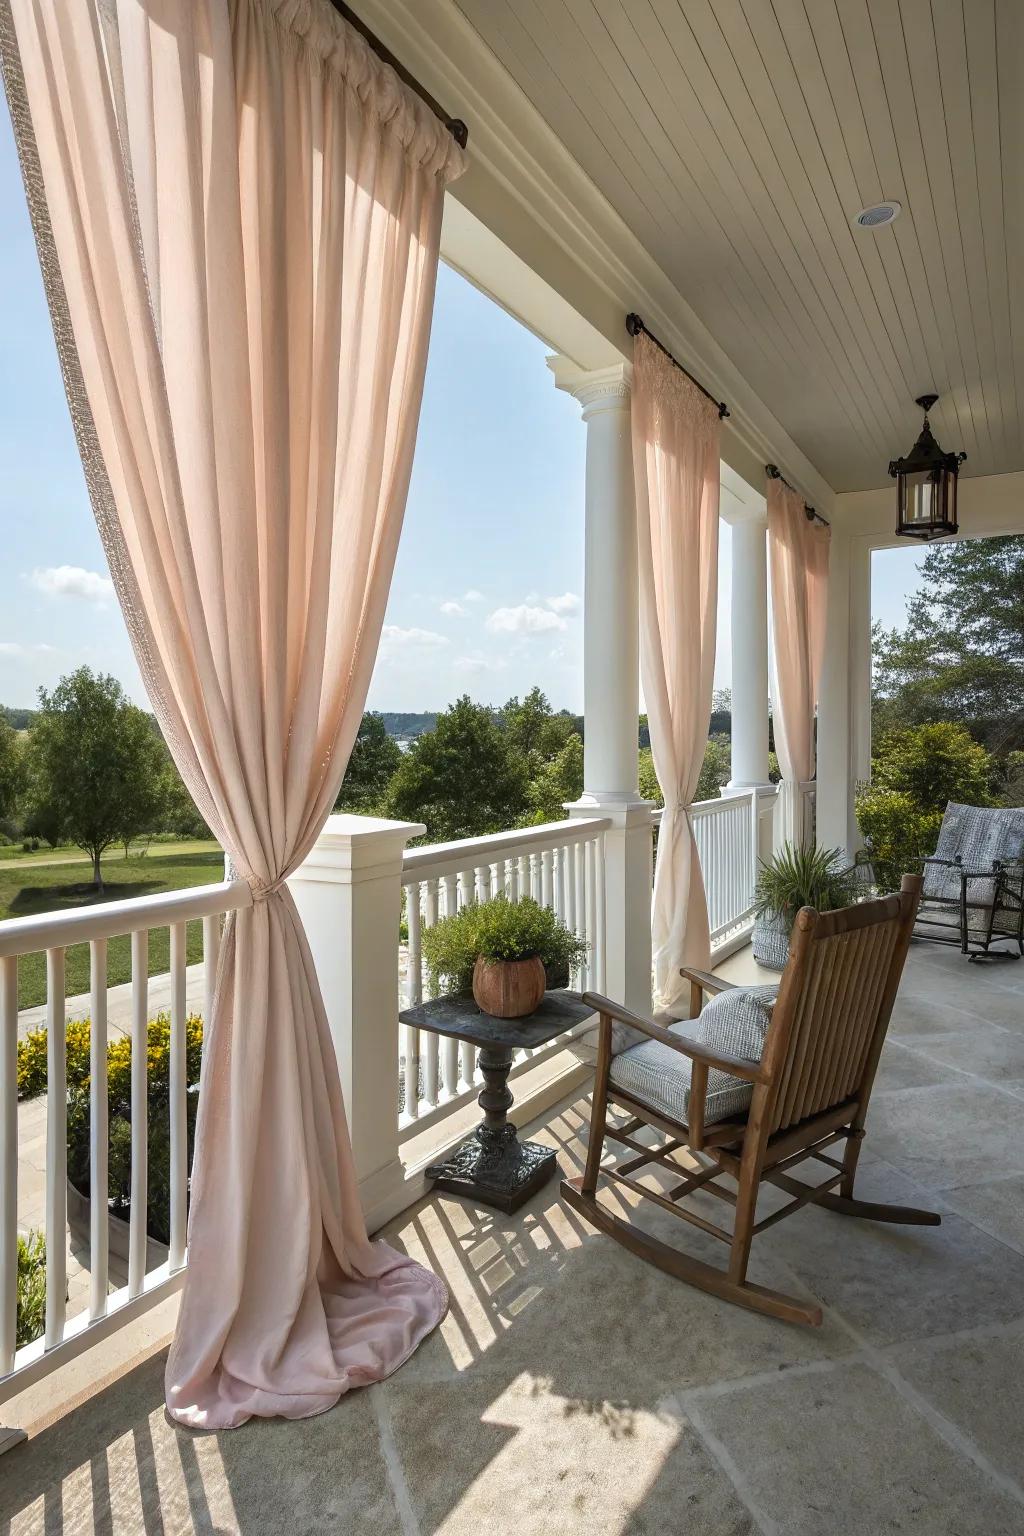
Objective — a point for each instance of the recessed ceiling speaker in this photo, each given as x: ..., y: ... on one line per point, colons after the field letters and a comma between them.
x: 877, y: 215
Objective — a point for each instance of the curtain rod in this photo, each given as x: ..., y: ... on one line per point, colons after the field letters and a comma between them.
x: 775, y: 473
x: 634, y: 325
x: 456, y: 127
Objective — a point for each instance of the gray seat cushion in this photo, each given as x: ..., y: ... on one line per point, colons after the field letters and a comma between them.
x: 734, y: 1023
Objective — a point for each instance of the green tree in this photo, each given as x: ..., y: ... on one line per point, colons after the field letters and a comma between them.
x: 558, y: 782
x: 714, y: 771
x: 12, y: 769
x: 960, y: 656
x: 934, y: 764
x: 915, y: 771
x: 376, y: 758
x: 533, y: 728
x: 462, y: 779
x: 179, y: 813
x: 96, y: 765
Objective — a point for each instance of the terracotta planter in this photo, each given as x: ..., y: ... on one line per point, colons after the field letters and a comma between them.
x: 508, y: 989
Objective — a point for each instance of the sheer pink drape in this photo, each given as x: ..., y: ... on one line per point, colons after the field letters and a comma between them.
x: 676, y: 468
x: 244, y: 207
x: 798, y: 549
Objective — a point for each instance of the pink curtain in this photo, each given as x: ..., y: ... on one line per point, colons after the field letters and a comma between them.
x: 798, y: 548
x: 676, y: 467
x: 238, y: 209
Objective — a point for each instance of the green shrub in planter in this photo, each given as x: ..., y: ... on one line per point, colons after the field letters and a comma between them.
x: 32, y: 1080
x: 794, y: 877
x: 500, y: 930
x: 31, y: 1288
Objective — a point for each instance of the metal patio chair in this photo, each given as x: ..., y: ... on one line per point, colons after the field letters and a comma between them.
x: 974, y: 882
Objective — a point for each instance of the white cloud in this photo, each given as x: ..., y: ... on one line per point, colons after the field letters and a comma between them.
x: 567, y: 603
x: 395, y: 638
x: 15, y: 648
x: 472, y: 596
x: 453, y: 609
x: 523, y: 620
x: 72, y: 581
x: 476, y: 661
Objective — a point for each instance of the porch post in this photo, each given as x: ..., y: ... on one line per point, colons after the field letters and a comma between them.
x: 844, y: 705
x: 349, y: 895
x: 611, y: 676
x: 749, y: 623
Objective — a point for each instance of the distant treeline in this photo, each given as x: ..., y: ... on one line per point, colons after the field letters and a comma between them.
x: 20, y: 719
x: 408, y: 725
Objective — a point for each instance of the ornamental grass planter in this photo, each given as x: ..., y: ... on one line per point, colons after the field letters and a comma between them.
x: 508, y: 989
x: 770, y: 940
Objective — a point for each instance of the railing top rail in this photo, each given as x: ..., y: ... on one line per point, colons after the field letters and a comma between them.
x: 717, y: 807
x: 108, y: 920
x: 466, y: 852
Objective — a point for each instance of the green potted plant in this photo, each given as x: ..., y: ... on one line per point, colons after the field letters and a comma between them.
x: 505, y: 952
x: 796, y: 876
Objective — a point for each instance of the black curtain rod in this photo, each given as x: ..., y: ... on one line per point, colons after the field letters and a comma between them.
x: 634, y: 325
x: 775, y: 473
x: 456, y: 127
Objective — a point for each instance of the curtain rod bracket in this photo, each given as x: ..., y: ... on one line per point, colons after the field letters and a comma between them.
x: 811, y: 513
x: 455, y: 126
x: 634, y: 325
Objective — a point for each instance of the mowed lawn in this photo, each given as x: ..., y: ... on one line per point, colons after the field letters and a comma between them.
x: 35, y: 888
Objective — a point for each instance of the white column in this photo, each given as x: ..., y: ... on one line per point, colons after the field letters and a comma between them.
x: 611, y: 676
x: 349, y: 895
x: 749, y: 622
x: 844, y: 708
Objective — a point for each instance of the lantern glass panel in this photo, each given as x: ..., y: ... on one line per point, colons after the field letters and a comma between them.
x: 921, y: 499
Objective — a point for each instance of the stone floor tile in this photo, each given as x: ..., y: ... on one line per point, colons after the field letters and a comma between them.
x: 844, y: 1454
x: 518, y: 1457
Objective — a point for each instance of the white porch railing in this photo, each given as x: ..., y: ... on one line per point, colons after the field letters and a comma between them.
x: 726, y: 832
x: 560, y: 865
x: 53, y: 934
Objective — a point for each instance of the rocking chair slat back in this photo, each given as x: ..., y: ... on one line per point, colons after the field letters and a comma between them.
x: 833, y: 1007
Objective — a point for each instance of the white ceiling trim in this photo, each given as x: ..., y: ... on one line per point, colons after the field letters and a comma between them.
x: 526, y: 187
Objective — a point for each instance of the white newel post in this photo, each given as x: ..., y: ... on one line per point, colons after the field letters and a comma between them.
x: 749, y: 627
x: 349, y: 896
x: 611, y: 676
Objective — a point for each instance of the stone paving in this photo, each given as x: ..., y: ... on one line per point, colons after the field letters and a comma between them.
x: 574, y: 1389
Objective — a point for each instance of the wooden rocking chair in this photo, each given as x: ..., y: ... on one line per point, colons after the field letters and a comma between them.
x: 810, y: 1092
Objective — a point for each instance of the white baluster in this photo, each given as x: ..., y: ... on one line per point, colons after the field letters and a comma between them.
x: 99, y: 1226
x: 178, y: 1091
x: 451, y: 1047
x: 415, y: 989
x: 56, y: 1149
x: 8, y: 1162
x: 431, y: 1069
x: 580, y: 873
x: 140, y: 1113
x: 570, y: 885
x: 598, y: 967
x: 523, y: 866
x: 467, y: 1056
x: 211, y: 960
x: 513, y: 879
x: 587, y: 971
x: 483, y: 882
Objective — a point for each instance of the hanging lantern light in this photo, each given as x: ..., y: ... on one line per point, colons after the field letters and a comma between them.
x: 926, y: 483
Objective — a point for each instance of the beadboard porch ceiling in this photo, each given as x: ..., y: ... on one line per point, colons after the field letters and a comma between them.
x: 738, y: 138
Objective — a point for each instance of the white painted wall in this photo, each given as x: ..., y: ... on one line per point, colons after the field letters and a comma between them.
x: 862, y: 521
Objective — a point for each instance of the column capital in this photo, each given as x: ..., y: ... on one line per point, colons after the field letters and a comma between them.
x: 597, y: 389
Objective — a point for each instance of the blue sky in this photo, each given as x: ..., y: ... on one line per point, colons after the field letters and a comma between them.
x: 487, y: 593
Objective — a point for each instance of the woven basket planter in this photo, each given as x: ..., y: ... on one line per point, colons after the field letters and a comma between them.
x: 770, y: 940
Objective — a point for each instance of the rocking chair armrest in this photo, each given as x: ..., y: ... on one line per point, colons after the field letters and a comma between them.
x: 707, y: 982
x: 737, y: 1066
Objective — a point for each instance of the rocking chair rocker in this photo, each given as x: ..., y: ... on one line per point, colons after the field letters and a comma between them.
x: 808, y: 1092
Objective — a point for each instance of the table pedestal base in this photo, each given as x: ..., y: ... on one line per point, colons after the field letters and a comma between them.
x: 493, y: 1165
x: 496, y: 1170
